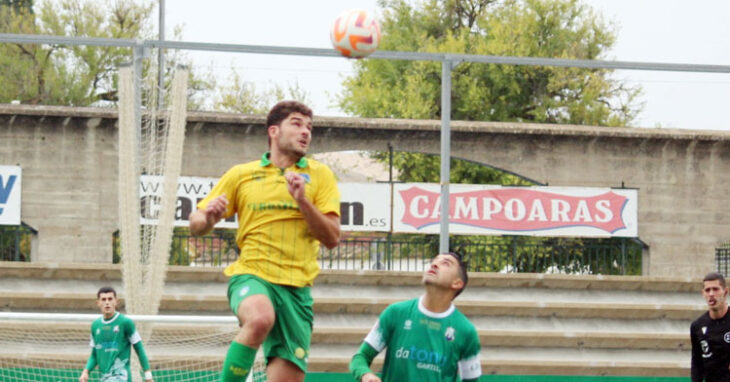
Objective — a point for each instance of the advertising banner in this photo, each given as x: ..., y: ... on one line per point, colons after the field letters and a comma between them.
x: 363, y: 206
x: 534, y: 211
x: 10, y: 180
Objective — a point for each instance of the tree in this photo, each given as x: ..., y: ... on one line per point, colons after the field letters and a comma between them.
x: 242, y: 96
x: 480, y: 92
x: 74, y: 75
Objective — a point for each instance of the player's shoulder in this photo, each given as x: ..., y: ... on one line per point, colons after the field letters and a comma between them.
x: 97, y: 322
x: 463, y: 320
x: 702, y: 319
x: 317, y: 166
x: 247, y: 166
x: 403, y: 306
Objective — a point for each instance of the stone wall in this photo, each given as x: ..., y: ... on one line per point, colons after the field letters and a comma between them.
x: 69, y: 161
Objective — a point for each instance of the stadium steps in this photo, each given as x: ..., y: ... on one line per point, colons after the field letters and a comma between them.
x: 528, y: 323
x: 177, y: 304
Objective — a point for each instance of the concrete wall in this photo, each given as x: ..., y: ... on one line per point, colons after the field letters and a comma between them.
x: 69, y: 165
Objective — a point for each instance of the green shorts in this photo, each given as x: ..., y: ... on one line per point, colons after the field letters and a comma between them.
x: 291, y: 335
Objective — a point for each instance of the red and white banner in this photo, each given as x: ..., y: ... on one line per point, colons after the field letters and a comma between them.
x: 535, y: 211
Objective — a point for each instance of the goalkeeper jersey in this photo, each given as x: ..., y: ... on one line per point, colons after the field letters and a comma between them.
x: 111, y: 343
x: 425, y: 346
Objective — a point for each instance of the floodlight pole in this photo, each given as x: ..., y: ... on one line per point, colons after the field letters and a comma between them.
x: 446, y: 66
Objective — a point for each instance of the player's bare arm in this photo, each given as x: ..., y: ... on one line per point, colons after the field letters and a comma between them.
x: 369, y: 377
x: 324, y: 227
x: 84, y: 376
x: 202, y: 221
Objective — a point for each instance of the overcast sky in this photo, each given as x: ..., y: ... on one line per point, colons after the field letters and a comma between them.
x: 648, y: 30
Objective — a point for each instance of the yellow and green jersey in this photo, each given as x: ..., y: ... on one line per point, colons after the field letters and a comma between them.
x: 273, y: 236
x: 111, y: 344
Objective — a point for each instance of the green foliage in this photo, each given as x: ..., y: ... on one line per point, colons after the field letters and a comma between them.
x: 15, y: 243
x: 242, y: 96
x: 487, y: 92
x: 480, y: 92
x: 418, y: 167
x: 18, y: 5
x: 74, y: 75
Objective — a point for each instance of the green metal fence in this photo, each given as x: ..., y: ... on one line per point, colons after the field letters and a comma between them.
x: 15, y: 242
x: 722, y: 258
x: 492, y: 254
x: 412, y: 253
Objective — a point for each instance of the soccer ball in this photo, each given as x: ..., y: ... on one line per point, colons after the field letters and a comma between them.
x: 355, y: 33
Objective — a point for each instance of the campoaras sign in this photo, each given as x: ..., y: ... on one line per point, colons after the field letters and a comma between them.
x: 543, y: 211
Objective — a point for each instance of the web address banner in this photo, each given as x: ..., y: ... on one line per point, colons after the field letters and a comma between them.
x: 363, y: 206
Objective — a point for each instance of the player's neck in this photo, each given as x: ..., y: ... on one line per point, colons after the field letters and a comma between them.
x: 109, y: 317
x: 436, y: 300
x: 280, y: 159
x: 719, y: 313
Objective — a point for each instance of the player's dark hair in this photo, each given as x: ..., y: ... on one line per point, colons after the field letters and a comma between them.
x: 282, y: 110
x: 106, y: 289
x: 712, y: 276
x: 463, y: 275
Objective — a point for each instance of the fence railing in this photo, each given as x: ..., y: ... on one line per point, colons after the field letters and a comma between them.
x: 484, y: 254
x: 15, y: 242
x: 502, y: 254
x: 722, y: 259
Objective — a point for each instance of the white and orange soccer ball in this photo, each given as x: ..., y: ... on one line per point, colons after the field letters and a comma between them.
x: 355, y: 33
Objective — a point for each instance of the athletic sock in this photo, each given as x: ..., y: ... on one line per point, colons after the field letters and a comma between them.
x: 238, y: 363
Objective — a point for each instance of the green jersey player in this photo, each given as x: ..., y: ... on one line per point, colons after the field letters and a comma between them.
x: 427, y: 339
x: 112, y: 337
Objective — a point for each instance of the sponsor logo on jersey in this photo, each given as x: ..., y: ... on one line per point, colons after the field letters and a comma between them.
x: 98, y: 331
x: 726, y: 337
x: 243, y: 291
x: 407, y: 325
x: 449, y: 334
x: 424, y: 358
x: 433, y: 325
x: 705, y: 349
x: 258, y: 175
x: 116, y: 328
x: 704, y: 330
x: 306, y: 177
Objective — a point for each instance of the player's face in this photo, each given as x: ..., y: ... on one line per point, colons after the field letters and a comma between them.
x: 444, y: 272
x: 107, y: 302
x: 714, y: 293
x: 293, y: 134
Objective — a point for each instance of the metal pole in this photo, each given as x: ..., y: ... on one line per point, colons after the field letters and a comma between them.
x: 137, y: 57
x: 389, y: 252
x: 161, y: 59
x: 446, y: 67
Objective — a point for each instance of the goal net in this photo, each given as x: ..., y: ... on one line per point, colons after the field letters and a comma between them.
x: 55, y: 347
x: 151, y: 143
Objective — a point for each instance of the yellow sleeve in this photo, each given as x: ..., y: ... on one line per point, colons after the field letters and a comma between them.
x: 227, y: 185
x: 327, y: 198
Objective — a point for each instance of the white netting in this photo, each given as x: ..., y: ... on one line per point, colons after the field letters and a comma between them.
x: 154, y: 149
x: 151, y: 143
x: 55, y: 347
